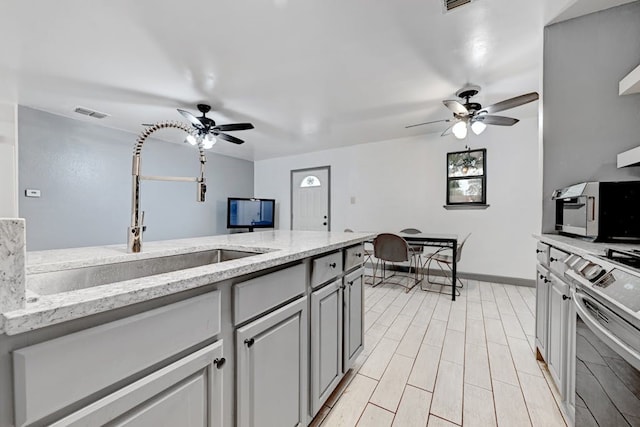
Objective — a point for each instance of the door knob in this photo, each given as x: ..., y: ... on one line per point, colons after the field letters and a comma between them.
x: 324, y: 223
x: 249, y: 342
x: 325, y: 217
x: 219, y: 362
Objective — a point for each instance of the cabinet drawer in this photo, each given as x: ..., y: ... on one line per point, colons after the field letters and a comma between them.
x: 54, y: 374
x: 326, y: 268
x: 258, y: 295
x: 556, y: 262
x: 353, y: 256
x: 542, y: 253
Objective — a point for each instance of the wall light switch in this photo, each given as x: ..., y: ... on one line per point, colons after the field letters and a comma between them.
x: 30, y: 192
x: 353, y: 200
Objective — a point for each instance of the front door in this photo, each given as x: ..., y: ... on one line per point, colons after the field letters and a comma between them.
x: 310, y: 192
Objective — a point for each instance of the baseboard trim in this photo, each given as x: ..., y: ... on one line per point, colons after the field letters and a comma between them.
x: 529, y: 283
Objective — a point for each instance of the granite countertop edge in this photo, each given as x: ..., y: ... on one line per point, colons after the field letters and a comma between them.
x: 583, y: 247
x: 278, y: 247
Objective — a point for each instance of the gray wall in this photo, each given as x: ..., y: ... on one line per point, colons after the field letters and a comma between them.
x: 84, y: 173
x: 586, y: 123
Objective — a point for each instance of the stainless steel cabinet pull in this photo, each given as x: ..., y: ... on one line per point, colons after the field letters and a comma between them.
x: 249, y: 342
x: 219, y: 362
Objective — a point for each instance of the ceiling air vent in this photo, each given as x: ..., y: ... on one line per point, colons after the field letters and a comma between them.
x: 90, y: 113
x: 453, y: 4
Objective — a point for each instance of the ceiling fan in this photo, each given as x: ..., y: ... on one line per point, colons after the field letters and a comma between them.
x: 472, y: 114
x: 209, y: 131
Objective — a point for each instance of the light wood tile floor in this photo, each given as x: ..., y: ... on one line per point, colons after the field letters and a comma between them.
x: 429, y: 361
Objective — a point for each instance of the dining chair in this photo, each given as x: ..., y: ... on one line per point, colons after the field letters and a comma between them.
x: 442, y: 259
x: 388, y: 247
x: 419, y: 249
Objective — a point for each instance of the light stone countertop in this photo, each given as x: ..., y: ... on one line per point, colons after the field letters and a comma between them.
x: 583, y: 247
x: 280, y: 247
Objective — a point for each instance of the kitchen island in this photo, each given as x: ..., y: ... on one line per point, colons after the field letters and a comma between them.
x: 222, y: 343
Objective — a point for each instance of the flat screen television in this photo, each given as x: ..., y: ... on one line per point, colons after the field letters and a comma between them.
x: 250, y: 213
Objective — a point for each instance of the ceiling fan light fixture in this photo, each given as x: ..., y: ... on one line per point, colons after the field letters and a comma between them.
x: 460, y: 130
x: 478, y: 127
x: 209, y: 141
x: 191, y: 140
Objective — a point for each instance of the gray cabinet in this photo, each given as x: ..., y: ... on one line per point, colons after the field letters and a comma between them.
x: 272, y: 368
x: 326, y: 342
x: 353, y: 317
x: 186, y: 393
x: 558, y: 319
x: 542, y: 306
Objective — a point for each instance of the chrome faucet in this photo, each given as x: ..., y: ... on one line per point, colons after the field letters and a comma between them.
x: 134, y: 241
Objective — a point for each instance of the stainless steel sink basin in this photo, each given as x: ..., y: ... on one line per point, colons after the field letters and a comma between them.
x: 80, y: 278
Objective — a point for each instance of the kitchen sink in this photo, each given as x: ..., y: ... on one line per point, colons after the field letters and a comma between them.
x: 55, y: 282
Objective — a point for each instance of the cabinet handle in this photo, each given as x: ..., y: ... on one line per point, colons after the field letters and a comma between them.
x: 359, y: 255
x: 350, y: 282
x: 249, y: 342
x: 553, y: 259
x: 564, y: 297
x: 342, y: 287
x: 333, y: 265
x: 219, y: 362
x: 538, y: 251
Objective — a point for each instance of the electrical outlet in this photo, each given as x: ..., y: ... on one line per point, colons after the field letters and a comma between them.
x: 30, y: 192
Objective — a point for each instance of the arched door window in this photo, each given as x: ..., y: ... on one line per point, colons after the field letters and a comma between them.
x: 310, y: 181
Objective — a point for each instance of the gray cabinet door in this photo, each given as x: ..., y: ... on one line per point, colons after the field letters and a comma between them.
x: 326, y: 342
x: 186, y: 393
x: 556, y: 350
x: 353, y: 318
x: 542, y: 307
x: 272, y: 368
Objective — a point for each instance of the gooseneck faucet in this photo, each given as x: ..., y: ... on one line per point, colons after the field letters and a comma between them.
x: 134, y: 241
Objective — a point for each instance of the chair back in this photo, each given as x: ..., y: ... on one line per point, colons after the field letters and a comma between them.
x: 390, y: 247
x: 460, y: 246
x: 411, y: 231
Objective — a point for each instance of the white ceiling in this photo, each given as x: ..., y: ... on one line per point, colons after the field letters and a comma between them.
x: 309, y: 74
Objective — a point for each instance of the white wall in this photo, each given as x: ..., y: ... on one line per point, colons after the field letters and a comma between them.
x: 8, y: 161
x: 401, y: 183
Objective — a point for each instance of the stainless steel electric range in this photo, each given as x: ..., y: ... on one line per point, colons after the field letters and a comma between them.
x: 607, y: 361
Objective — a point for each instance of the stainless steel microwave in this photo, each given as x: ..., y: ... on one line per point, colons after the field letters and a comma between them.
x: 604, y: 211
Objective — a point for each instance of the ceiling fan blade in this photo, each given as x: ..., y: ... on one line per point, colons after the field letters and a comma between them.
x: 233, y: 126
x: 495, y: 120
x: 193, y: 119
x: 427, y: 123
x: 228, y: 138
x: 447, y: 131
x: 511, y: 103
x: 456, y: 107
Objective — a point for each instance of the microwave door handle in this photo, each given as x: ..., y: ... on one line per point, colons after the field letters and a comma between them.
x: 592, y: 201
x: 629, y: 354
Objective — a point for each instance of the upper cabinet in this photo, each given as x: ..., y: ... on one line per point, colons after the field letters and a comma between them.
x: 631, y: 83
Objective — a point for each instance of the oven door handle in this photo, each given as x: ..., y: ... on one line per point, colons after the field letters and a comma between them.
x: 629, y: 354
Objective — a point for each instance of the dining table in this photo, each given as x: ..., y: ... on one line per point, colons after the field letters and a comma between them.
x: 437, y: 240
